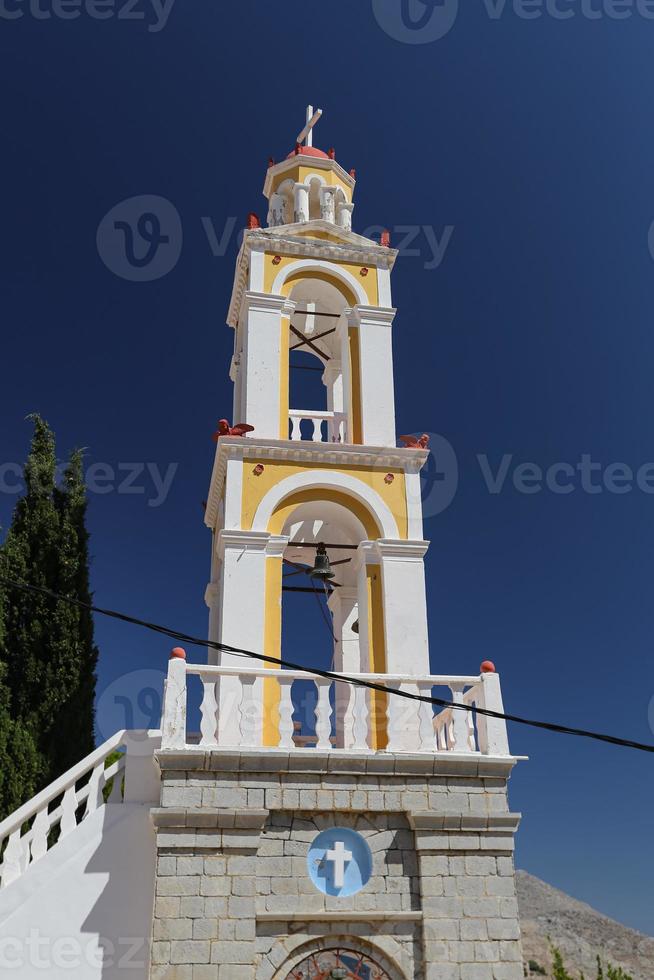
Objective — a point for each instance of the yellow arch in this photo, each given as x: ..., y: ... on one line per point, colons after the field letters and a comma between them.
x: 285, y: 508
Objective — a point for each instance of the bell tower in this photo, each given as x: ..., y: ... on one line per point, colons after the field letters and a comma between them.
x: 375, y: 839
x: 308, y: 475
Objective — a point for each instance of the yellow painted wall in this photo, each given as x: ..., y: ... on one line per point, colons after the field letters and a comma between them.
x: 256, y: 487
x: 300, y: 173
x: 377, y: 651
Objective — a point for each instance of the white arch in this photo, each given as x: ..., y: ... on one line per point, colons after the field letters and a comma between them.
x: 314, y: 176
x: 322, y: 266
x: 326, y: 480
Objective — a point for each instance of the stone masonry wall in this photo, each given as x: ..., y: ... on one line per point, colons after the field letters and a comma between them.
x: 233, y: 898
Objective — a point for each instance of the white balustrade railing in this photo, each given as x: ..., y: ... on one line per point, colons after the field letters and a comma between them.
x: 27, y: 834
x: 327, y: 426
x: 369, y: 721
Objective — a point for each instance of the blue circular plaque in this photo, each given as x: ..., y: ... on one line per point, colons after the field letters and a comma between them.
x: 339, y: 862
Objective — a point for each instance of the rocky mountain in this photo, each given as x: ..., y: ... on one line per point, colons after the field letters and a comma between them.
x: 579, y: 931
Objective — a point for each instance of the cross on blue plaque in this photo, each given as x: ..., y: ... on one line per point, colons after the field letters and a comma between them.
x: 339, y: 862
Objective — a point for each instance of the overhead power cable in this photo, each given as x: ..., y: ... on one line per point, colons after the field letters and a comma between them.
x: 330, y: 675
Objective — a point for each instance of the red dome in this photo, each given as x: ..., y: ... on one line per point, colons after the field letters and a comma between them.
x: 309, y: 151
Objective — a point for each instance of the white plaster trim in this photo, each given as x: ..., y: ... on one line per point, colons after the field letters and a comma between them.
x: 319, y: 177
x: 362, y: 314
x: 322, y: 266
x: 233, y: 493
x: 241, y: 540
x: 326, y: 479
x: 264, y: 302
x: 401, y: 549
x: 256, y: 271
x: 384, y: 288
x: 415, y: 528
x: 277, y: 545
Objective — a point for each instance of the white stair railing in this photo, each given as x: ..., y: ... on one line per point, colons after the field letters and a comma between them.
x: 327, y: 426
x: 54, y: 813
x: 409, y: 725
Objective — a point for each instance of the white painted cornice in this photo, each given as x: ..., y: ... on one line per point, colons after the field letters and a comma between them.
x: 360, y: 315
x: 304, y: 451
x: 245, y: 540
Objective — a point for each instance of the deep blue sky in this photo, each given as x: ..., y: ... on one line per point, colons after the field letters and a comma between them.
x: 533, y: 337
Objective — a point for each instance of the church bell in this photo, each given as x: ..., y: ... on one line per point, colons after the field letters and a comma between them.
x: 322, y: 569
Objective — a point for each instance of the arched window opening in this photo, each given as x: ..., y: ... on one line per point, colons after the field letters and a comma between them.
x: 318, y: 399
x: 341, y: 962
x: 318, y: 615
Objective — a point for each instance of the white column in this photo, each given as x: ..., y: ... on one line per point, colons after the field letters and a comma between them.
x: 332, y: 378
x: 376, y: 364
x: 241, y: 620
x: 344, y: 216
x: 301, y: 197
x: 344, y: 604
x: 328, y: 204
x: 405, y: 606
x: 261, y: 362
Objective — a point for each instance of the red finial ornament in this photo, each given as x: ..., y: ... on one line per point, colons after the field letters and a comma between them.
x: 177, y: 653
x: 271, y: 162
x: 225, y: 429
x: 253, y: 221
x: 385, y: 238
x: 353, y: 173
x: 488, y: 667
x: 331, y: 153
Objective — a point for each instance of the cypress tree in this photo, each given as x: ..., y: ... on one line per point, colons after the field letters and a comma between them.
x: 47, y: 645
x: 76, y: 721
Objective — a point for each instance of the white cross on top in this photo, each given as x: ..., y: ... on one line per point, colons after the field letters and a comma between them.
x: 339, y: 856
x: 307, y: 132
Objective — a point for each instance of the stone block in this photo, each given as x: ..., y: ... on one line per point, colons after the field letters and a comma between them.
x: 166, y: 908
x: 178, y: 885
x: 190, y: 951
x: 503, y: 929
x: 173, y: 929
x: 232, y: 953
x: 192, y: 907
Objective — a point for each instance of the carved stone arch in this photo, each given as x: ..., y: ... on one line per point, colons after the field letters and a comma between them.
x: 382, y: 964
